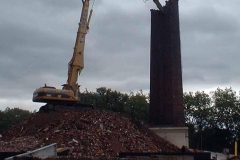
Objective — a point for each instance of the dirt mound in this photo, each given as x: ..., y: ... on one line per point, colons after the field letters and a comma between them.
x: 91, y: 133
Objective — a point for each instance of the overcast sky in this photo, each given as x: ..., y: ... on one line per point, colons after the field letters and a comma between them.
x: 37, y: 39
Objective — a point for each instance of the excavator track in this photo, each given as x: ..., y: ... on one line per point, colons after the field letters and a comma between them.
x: 73, y: 106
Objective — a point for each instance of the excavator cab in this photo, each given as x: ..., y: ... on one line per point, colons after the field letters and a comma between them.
x: 48, y: 94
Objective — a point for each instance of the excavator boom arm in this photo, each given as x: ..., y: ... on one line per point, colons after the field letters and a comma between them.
x: 76, y: 64
x: 160, y: 7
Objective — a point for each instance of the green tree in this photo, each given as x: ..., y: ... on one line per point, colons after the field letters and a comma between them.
x: 198, y: 114
x: 111, y: 100
x: 137, y: 107
x: 214, y: 139
x: 226, y: 108
x: 10, y: 117
x: 213, y: 119
x: 89, y: 98
x: 198, y: 109
x: 132, y: 105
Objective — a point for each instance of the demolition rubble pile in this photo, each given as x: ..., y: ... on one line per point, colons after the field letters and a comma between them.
x: 91, y: 133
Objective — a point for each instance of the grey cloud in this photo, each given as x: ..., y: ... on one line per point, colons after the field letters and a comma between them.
x: 209, y: 46
x: 37, y: 39
x: 67, y: 5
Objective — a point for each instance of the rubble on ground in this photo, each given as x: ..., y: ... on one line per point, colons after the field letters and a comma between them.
x: 20, y: 144
x: 91, y: 133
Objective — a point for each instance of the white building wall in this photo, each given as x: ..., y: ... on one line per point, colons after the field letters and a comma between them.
x: 176, y: 135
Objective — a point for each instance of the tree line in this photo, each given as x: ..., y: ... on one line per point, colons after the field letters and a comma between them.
x: 212, y: 118
x: 10, y: 117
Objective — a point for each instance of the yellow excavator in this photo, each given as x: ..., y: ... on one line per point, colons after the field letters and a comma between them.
x: 69, y: 96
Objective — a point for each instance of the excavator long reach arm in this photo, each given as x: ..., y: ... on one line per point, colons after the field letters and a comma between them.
x: 160, y: 7
x: 76, y: 64
x: 68, y: 97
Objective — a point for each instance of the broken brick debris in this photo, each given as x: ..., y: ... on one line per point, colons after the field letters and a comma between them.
x: 87, y: 134
x: 94, y: 158
x: 20, y: 144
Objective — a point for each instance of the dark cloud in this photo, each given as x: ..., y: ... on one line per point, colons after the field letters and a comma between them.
x: 37, y: 40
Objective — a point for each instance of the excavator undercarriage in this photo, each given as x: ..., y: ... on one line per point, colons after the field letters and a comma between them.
x: 58, y: 99
x: 55, y: 106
